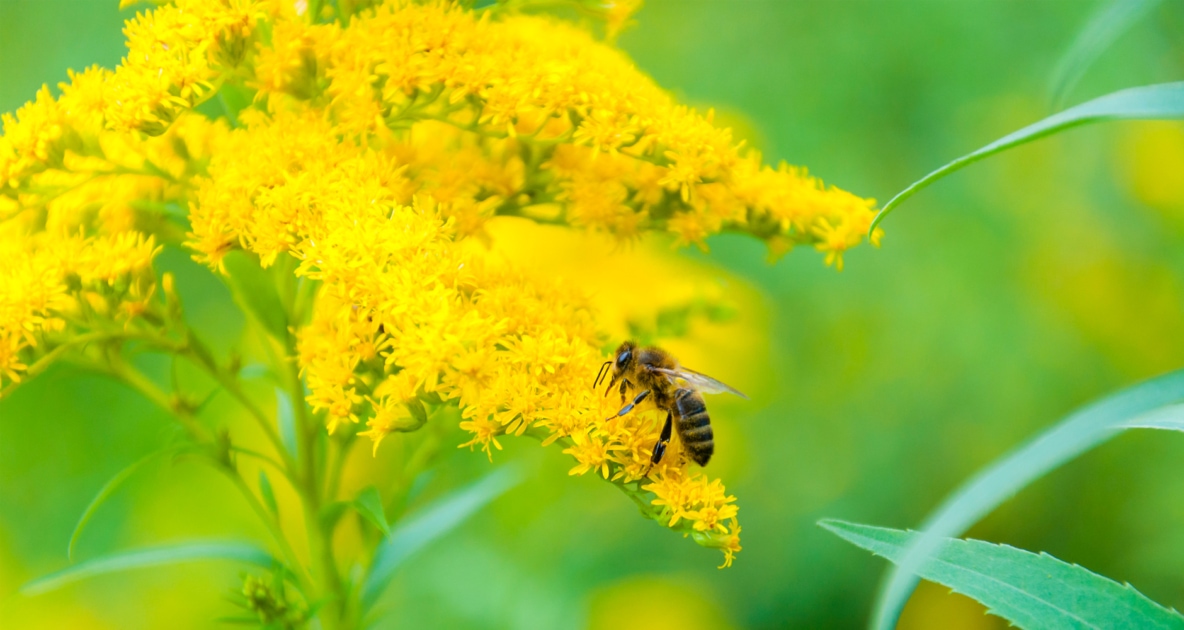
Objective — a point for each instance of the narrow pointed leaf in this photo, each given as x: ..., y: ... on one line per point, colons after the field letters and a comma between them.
x: 105, y: 493
x: 1108, y: 22
x: 1169, y: 418
x: 430, y: 523
x: 1150, y: 102
x: 267, y: 493
x: 369, y: 505
x: 285, y: 416
x: 151, y: 557
x: 1077, y: 433
x: 253, y: 370
x: 1029, y: 590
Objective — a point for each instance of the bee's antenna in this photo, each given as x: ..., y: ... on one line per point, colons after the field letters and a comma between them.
x: 600, y: 373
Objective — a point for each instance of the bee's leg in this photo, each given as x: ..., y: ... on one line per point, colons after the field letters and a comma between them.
x: 627, y: 408
x: 663, y: 440
x: 625, y: 385
x: 612, y: 383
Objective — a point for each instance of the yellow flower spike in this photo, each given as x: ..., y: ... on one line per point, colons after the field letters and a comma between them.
x: 376, y: 155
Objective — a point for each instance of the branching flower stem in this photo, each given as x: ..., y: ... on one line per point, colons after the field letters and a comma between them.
x: 142, y: 384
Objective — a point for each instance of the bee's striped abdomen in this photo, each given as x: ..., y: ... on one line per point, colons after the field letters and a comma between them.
x: 693, y: 425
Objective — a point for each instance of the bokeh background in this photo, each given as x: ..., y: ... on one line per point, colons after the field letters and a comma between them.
x: 1002, y: 298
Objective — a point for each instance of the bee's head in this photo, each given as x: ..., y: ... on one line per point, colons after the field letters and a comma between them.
x: 620, y: 364
x: 624, y: 359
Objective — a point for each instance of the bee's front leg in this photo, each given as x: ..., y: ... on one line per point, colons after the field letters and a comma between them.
x: 625, y: 385
x: 627, y: 408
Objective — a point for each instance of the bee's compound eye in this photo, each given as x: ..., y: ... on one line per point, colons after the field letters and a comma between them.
x: 623, y: 358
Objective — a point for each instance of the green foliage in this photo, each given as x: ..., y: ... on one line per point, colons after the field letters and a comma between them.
x: 267, y: 493
x: 1150, y: 102
x: 1029, y: 590
x: 433, y: 521
x: 150, y: 557
x: 1109, y: 21
x: 369, y: 505
x: 1168, y: 418
x: 969, y: 328
x: 255, y: 291
x: 1077, y: 433
x: 285, y: 417
x: 268, y: 604
x: 105, y: 492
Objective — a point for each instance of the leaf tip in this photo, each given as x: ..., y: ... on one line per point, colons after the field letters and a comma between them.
x: 830, y: 524
x: 871, y: 230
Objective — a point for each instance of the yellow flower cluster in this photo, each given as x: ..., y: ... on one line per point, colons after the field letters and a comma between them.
x: 374, y: 151
x: 410, y: 311
x: 50, y: 285
x: 577, y: 133
x: 74, y: 257
x: 175, y: 58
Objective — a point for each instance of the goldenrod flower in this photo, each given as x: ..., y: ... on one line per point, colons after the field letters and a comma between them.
x: 374, y: 153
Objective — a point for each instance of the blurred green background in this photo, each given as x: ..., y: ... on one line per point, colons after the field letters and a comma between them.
x: 1002, y: 298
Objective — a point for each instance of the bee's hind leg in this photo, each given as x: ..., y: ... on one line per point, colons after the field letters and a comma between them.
x: 663, y: 440
x: 627, y: 408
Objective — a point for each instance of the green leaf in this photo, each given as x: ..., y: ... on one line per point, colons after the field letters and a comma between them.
x: 105, y: 493
x: 234, y: 98
x: 267, y: 493
x: 151, y: 557
x: 1029, y: 590
x: 1150, y: 102
x: 1169, y: 418
x: 253, y: 370
x: 418, y: 412
x: 369, y: 505
x: 285, y: 416
x: 1077, y: 433
x: 255, y: 292
x: 239, y: 621
x: 430, y: 523
x: 330, y: 512
x: 1108, y: 22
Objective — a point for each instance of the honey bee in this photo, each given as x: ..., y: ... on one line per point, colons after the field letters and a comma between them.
x: 675, y: 390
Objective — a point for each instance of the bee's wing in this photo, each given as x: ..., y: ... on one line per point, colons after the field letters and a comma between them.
x: 701, y: 382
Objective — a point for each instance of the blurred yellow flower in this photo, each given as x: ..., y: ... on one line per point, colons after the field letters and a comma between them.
x: 1151, y: 159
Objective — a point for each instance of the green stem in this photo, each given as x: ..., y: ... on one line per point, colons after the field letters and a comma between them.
x: 196, y: 352
x: 269, y: 460
x: 271, y: 522
x: 41, y: 364
x: 306, y: 290
x: 334, y: 483
x: 173, y: 405
x: 149, y: 390
x: 230, y: 384
x: 320, y: 536
x: 422, y: 458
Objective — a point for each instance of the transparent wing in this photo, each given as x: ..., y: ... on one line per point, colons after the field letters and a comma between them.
x: 700, y: 382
